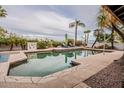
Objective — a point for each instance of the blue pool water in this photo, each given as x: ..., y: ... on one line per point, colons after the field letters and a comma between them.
x: 4, y: 58
x: 42, y: 64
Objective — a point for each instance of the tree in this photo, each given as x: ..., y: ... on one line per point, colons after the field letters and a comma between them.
x: 87, y: 35
x: 23, y: 42
x: 76, y: 24
x: 103, y: 22
x: 66, y: 39
x: 102, y: 36
x: 107, y: 20
x: 11, y: 40
x: 3, y: 32
x: 96, y: 33
x: 2, y: 12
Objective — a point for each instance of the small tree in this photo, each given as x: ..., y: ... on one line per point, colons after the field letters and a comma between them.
x: 3, y: 12
x: 76, y: 24
x: 87, y: 35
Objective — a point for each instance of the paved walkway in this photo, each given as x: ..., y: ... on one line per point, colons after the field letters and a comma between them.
x: 69, y: 78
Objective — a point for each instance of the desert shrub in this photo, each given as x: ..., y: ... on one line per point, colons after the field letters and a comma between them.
x: 78, y: 43
x: 33, y: 40
x: 56, y: 43
x: 70, y: 42
x: 48, y: 43
x: 41, y: 44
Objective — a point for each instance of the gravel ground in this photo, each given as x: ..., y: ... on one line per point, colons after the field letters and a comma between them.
x: 110, y: 77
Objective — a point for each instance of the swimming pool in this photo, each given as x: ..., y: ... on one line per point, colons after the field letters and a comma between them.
x: 4, y: 58
x: 42, y: 64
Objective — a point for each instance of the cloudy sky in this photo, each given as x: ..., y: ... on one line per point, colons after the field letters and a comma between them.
x: 49, y: 21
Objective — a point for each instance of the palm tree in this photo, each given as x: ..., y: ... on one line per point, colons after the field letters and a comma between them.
x: 110, y: 22
x: 96, y: 33
x: 3, y: 32
x: 11, y: 40
x: 23, y: 43
x: 76, y: 24
x: 2, y: 12
x: 102, y: 23
x: 87, y: 35
x: 66, y: 39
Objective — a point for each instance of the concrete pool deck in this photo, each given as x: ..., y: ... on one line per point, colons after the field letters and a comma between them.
x: 56, y: 49
x: 69, y: 78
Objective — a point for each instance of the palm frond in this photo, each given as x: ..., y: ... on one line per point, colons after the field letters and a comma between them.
x: 87, y: 31
x: 2, y: 12
x: 81, y: 24
x: 72, y: 24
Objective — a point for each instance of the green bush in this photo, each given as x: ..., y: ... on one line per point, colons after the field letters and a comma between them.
x: 41, y: 44
x: 48, y: 43
x: 56, y: 43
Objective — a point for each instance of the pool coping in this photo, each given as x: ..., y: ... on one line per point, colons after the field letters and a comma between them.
x: 63, y: 76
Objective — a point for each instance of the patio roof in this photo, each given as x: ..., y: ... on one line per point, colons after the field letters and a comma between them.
x: 117, y: 11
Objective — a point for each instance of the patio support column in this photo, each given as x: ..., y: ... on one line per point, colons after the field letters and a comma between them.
x: 112, y: 38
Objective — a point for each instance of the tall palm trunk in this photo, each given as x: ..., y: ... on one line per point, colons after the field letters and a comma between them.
x: 95, y: 42
x: 87, y: 37
x: 112, y: 38
x: 11, y: 47
x: 96, y: 39
x: 75, y: 34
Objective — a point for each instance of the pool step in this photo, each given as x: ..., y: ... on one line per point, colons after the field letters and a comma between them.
x: 14, y: 58
x: 4, y: 69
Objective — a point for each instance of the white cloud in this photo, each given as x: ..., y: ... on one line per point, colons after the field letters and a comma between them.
x: 47, y: 23
x: 44, y: 22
